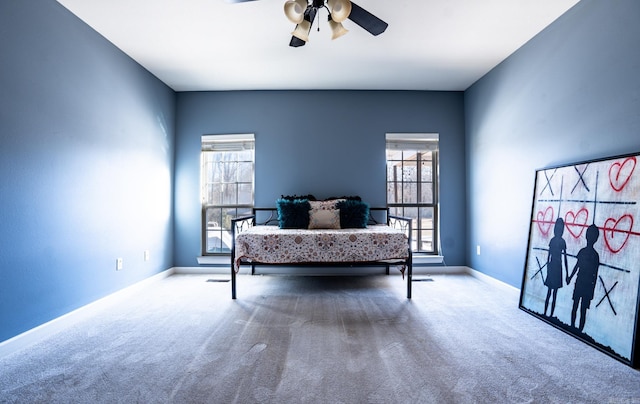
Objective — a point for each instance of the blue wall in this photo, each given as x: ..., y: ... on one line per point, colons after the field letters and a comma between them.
x: 86, y: 161
x: 325, y: 143
x: 571, y: 94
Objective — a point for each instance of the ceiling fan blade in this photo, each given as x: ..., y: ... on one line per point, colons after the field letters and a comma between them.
x: 367, y: 20
x: 296, y: 42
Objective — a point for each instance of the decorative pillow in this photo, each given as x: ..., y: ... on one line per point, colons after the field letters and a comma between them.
x: 324, y: 205
x: 324, y: 219
x: 293, y: 214
x: 353, y: 214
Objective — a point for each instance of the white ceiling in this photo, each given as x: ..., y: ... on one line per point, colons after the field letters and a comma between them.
x: 200, y: 45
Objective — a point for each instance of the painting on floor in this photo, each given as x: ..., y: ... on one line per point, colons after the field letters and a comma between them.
x: 582, y: 271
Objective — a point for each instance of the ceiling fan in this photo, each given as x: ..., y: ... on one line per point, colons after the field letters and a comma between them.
x: 303, y: 14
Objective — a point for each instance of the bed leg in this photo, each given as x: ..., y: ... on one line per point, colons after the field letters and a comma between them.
x: 409, y: 276
x: 233, y: 283
x: 387, y: 269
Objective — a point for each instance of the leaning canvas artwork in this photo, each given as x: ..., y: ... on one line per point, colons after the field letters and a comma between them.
x: 583, y: 257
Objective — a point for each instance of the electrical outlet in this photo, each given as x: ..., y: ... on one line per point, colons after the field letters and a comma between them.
x: 118, y: 264
x: 146, y: 255
x: 478, y: 249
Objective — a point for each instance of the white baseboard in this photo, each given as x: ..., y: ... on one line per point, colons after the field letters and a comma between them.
x: 245, y: 269
x: 434, y: 270
x: 214, y: 260
x: 417, y: 270
x: 486, y: 278
x: 424, y: 259
x: 206, y: 270
x: 39, y: 333
x: 418, y: 259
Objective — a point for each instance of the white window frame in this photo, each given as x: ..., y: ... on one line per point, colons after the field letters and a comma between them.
x: 215, y: 221
x: 420, y: 143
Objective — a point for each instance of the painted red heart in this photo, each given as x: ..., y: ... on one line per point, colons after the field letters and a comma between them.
x: 576, y: 222
x: 617, y: 232
x: 620, y: 173
x: 545, y: 220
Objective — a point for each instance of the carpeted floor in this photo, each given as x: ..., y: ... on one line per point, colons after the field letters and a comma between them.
x: 316, y: 340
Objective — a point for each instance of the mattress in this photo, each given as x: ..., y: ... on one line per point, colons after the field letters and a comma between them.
x: 273, y: 245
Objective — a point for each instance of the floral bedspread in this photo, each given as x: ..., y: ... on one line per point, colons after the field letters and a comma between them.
x: 272, y: 245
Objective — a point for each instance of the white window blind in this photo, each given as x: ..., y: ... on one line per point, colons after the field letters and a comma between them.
x: 228, y: 143
x: 412, y: 141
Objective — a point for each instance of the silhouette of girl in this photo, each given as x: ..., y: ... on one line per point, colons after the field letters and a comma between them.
x: 557, y: 250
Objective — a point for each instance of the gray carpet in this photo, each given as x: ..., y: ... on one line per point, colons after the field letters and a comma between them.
x: 316, y: 340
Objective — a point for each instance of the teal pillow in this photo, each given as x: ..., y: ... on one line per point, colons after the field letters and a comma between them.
x: 293, y: 213
x: 354, y: 214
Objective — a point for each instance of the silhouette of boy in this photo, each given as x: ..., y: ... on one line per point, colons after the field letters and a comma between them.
x: 557, y: 249
x: 587, y: 265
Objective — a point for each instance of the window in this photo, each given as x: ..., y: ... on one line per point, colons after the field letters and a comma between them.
x: 227, y: 177
x: 412, y: 185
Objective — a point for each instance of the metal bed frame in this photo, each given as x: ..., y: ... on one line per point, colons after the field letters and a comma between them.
x: 242, y: 223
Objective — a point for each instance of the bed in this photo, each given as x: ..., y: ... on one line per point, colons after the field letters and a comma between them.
x: 258, y: 239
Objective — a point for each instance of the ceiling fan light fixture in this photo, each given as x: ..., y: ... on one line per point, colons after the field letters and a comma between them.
x: 340, y: 9
x: 302, y: 30
x: 337, y: 29
x: 303, y: 13
x: 294, y: 10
